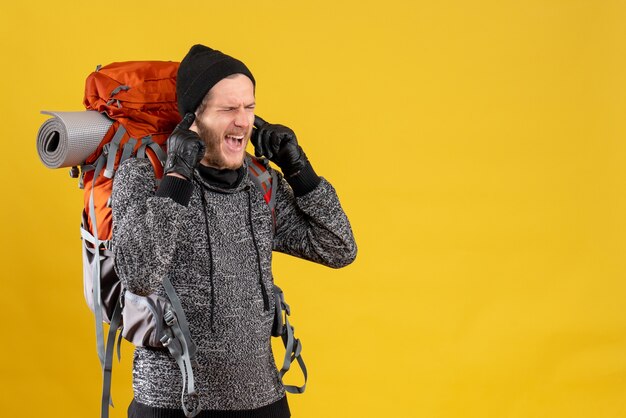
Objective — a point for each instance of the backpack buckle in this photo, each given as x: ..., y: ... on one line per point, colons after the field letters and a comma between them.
x: 166, y: 340
x: 169, y: 318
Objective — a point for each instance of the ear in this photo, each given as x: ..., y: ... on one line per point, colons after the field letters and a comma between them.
x: 194, y: 125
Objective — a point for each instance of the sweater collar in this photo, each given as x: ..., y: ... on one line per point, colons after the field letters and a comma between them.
x: 223, y: 180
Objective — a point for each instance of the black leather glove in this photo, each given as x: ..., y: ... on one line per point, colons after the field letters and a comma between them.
x: 185, y: 149
x: 279, y: 144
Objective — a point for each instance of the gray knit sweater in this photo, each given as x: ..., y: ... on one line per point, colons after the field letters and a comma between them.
x: 220, y: 275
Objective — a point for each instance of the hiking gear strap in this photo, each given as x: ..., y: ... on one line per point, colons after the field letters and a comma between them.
x: 293, y: 346
x: 181, y: 347
x: 108, y: 362
x: 264, y: 180
x: 161, y: 155
x: 180, y: 314
x: 111, y: 149
x: 272, y: 201
x: 141, y: 151
x: 97, y: 298
x: 128, y: 150
x: 177, y: 347
x: 293, y: 350
x: 106, y: 357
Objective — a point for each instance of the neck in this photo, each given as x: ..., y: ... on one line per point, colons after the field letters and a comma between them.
x: 221, y: 177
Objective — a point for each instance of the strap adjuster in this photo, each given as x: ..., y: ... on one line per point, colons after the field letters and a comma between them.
x: 166, y: 340
x: 169, y: 317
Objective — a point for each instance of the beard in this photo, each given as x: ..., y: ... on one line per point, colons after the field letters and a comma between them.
x: 213, y: 156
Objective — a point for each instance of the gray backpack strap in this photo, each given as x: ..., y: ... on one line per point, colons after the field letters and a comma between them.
x: 129, y: 147
x: 293, y: 350
x: 141, y: 151
x: 175, y: 342
x: 261, y: 176
x: 105, y: 357
x: 272, y: 202
x: 146, y: 141
x: 111, y: 149
x: 293, y: 346
x: 264, y: 179
x: 97, y: 298
x: 180, y: 314
x: 180, y: 345
x: 161, y: 155
x: 116, y: 321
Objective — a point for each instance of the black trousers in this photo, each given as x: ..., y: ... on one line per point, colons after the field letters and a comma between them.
x: 278, y: 409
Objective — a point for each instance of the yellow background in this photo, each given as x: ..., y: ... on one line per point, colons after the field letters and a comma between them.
x: 477, y: 147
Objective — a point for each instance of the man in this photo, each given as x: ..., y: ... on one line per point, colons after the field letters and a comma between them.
x: 208, y: 228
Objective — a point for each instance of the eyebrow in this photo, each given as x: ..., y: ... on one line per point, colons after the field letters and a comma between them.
x: 230, y: 105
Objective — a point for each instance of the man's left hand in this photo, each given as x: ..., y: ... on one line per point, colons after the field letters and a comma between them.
x: 279, y: 144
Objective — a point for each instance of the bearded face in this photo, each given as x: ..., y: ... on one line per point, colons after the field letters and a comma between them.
x: 224, y: 121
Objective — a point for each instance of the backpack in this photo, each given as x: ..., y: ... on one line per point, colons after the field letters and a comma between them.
x: 140, y: 98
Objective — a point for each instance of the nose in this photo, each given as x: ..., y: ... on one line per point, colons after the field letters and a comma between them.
x: 242, y: 118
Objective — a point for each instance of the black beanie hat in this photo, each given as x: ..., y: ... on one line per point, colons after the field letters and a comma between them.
x: 200, y: 70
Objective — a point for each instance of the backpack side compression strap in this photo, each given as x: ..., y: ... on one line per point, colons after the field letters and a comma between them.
x: 116, y: 321
x: 293, y: 346
x: 106, y: 157
x: 181, y: 347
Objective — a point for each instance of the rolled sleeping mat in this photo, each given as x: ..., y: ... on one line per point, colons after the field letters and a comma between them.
x: 68, y: 138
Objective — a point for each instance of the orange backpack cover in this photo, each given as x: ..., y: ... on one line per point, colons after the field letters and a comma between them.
x: 140, y: 96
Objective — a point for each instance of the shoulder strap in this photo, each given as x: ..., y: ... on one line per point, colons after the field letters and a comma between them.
x: 265, y: 180
x: 293, y: 346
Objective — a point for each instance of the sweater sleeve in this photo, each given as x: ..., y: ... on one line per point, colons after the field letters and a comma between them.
x: 313, y: 226
x: 145, y: 227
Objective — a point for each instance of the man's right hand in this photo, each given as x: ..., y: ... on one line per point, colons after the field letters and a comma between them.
x: 185, y: 149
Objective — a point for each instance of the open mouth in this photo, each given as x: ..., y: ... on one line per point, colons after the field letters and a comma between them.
x: 234, y: 143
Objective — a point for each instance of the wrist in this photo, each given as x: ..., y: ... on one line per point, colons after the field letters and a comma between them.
x: 176, y: 187
x: 180, y: 176
x: 304, y: 180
